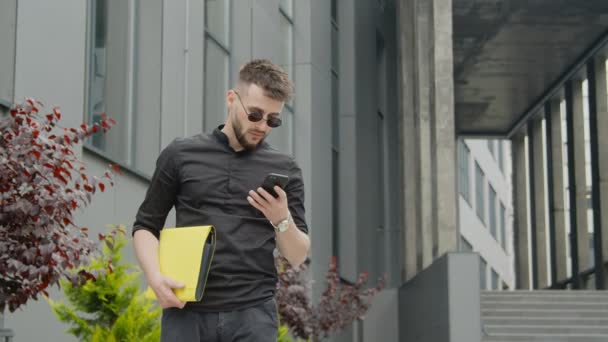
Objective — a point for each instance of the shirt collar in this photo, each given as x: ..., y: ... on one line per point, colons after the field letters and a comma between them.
x: 223, y: 139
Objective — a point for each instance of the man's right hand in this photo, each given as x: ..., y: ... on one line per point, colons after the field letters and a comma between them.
x: 163, y: 288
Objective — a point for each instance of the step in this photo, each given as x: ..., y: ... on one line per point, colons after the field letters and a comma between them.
x: 545, y: 292
x: 545, y: 297
x: 545, y: 338
x: 536, y: 313
x: 600, y: 320
x: 543, y: 305
x: 557, y: 298
x: 563, y: 330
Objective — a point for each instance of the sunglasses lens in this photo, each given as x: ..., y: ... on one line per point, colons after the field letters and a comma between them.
x: 255, y: 117
x: 274, y: 122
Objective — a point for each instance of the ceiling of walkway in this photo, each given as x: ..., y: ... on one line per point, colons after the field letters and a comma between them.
x: 507, y: 53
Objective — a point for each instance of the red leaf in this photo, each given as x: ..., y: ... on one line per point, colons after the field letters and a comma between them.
x: 74, y: 205
x: 95, y: 128
x: 27, y: 173
x: 49, y: 117
x: 84, y: 229
x: 36, y: 133
x: 52, y: 136
x: 116, y: 168
x: 48, y: 165
x: 66, y: 139
x: 66, y: 221
x: 88, y: 188
x: 101, y: 236
x: 37, y: 154
x: 102, y: 187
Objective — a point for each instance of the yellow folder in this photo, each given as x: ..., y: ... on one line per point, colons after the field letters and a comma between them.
x: 185, y: 255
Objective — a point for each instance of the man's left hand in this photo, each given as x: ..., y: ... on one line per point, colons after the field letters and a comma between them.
x: 274, y: 208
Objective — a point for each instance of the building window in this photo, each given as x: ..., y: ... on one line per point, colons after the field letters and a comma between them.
x: 465, y: 246
x: 492, y: 212
x: 283, y: 137
x: 479, y: 192
x: 503, y: 227
x: 501, y: 156
x: 463, y: 169
x: 494, y: 280
x: 483, y: 273
x: 335, y: 131
x: 111, y: 82
x: 217, y: 57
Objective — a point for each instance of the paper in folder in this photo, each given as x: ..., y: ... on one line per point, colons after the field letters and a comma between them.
x: 185, y: 255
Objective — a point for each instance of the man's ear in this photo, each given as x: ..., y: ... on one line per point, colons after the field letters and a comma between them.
x: 229, y: 98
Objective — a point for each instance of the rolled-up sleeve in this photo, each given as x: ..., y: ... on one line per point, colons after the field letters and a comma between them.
x: 295, y: 197
x: 161, y: 193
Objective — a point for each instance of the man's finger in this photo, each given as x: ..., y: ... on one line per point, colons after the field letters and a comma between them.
x: 255, y: 204
x: 258, y: 199
x: 282, y: 194
x: 267, y: 196
x: 174, y: 284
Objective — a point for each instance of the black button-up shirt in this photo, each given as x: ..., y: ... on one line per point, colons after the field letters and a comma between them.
x: 208, y: 183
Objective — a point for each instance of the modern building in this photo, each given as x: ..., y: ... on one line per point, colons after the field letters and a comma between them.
x: 395, y: 103
x: 486, y: 208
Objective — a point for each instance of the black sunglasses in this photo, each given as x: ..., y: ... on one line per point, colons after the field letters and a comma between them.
x: 272, y: 120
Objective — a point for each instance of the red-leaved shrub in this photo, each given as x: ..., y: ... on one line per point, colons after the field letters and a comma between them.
x: 42, y: 184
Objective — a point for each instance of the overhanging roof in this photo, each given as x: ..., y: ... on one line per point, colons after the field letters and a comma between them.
x: 509, y: 53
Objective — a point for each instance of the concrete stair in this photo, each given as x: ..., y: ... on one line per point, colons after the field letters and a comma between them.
x: 544, y: 316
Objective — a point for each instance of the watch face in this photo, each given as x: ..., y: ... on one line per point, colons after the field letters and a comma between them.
x: 283, y: 225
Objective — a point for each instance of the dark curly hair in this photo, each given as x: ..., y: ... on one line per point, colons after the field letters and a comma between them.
x: 268, y: 76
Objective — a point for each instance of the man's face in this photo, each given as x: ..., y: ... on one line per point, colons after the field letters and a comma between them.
x: 250, y: 134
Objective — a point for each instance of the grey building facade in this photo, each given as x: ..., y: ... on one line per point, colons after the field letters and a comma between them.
x: 384, y: 89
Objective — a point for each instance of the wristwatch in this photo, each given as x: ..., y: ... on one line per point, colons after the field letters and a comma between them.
x: 283, y: 225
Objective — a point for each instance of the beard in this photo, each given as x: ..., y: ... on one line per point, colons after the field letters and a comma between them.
x: 241, y: 136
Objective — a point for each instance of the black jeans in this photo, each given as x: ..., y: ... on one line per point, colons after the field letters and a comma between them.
x: 256, y: 324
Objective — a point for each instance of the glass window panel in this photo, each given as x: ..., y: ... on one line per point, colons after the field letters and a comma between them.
x: 286, y: 49
x: 503, y: 227
x: 463, y: 169
x: 334, y: 10
x: 335, y: 54
x: 492, y: 212
x: 287, y: 7
x: 216, y: 85
x: 335, y: 109
x: 494, y: 280
x: 483, y: 266
x: 479, y: 192
x: 216, y: 19
x: 501, y: 157
x: 109, y: 67
x: 465, y: 246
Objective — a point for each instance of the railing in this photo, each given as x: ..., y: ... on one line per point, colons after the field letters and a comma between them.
x: 577, y: 281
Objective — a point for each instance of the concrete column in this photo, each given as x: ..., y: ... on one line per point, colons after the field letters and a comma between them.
x: 578, y: 140
x: 426, y: 128
x: 538, y: 196
x: 409, y: 134
x: 601, y: 91
x: 429, y: 144
x: 520, y: 222
x: 445, y: 139
x: 558, y: 191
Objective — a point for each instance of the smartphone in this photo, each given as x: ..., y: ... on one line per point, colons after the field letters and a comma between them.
x: 273, y: 179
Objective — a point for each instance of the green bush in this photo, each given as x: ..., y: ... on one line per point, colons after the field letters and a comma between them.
x: 109, y: 307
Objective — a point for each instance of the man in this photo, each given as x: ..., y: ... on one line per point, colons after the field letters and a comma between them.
x: 216, y: 179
